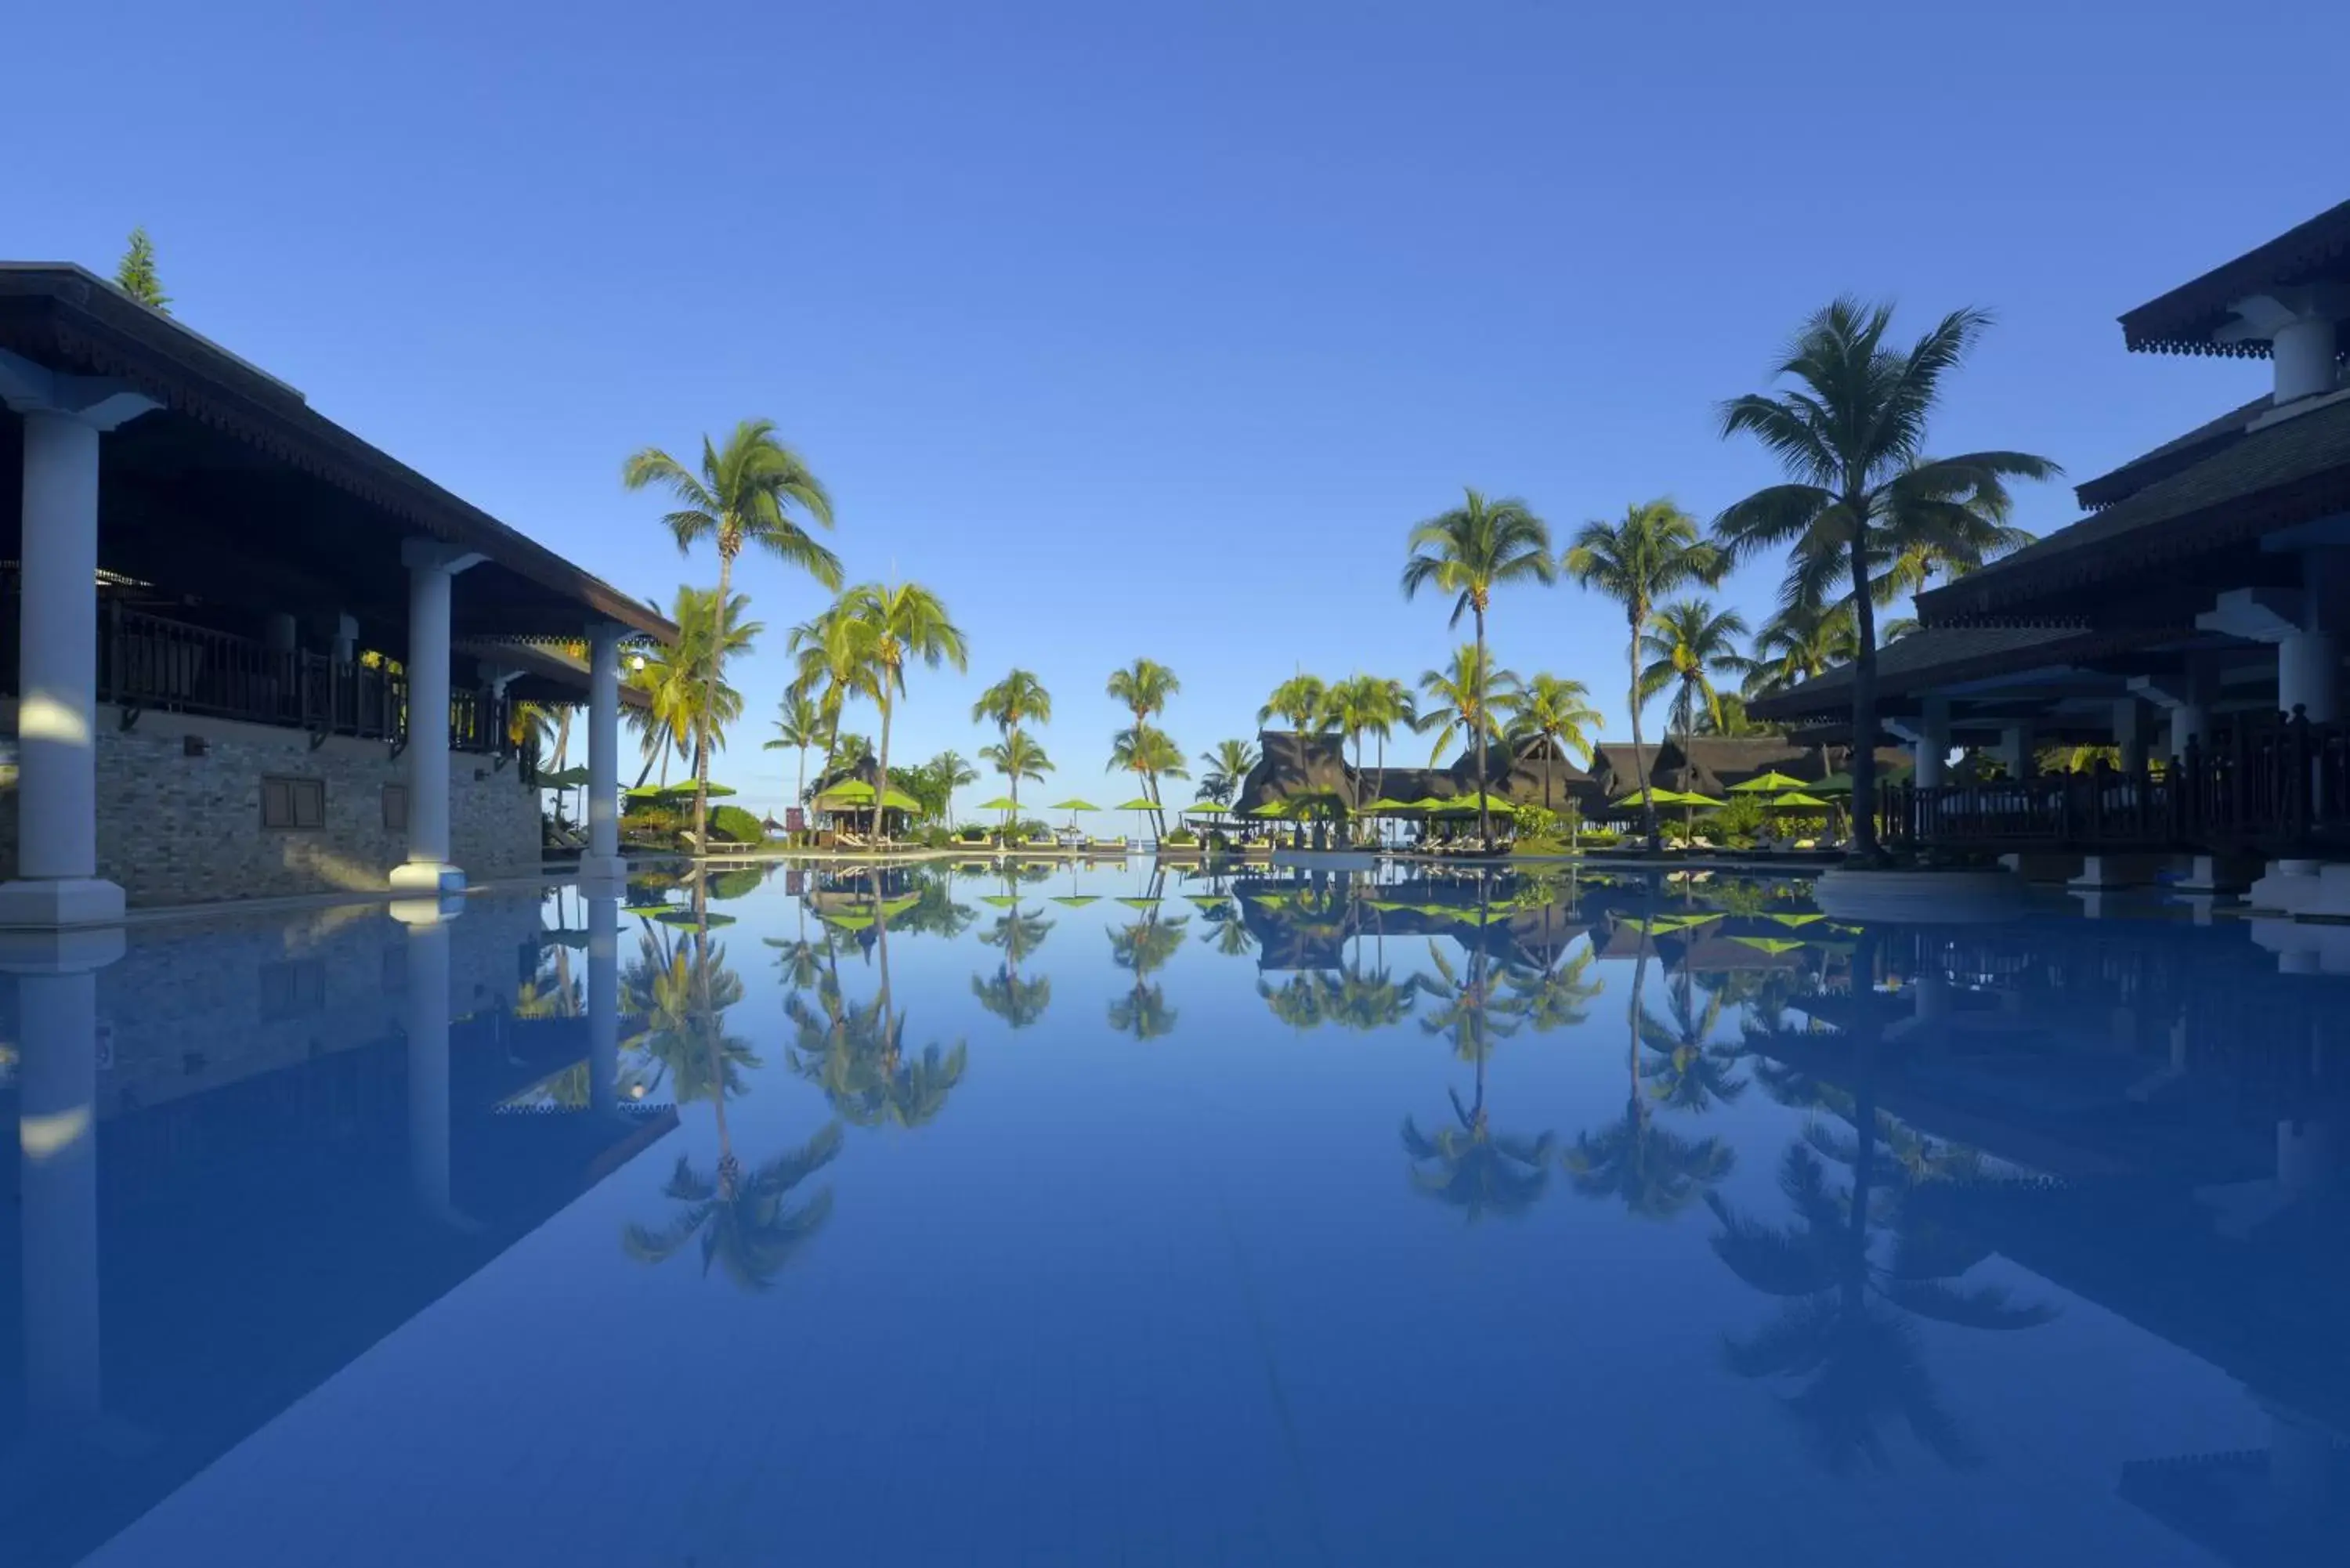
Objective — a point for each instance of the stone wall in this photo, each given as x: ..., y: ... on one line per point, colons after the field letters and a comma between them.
x: 175, y: 827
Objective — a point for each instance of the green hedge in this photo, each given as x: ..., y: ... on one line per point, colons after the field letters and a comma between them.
x: 732, y: 822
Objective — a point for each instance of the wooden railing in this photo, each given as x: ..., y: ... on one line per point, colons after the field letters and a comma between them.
x: 146, y: 662
x: 2279, y: 784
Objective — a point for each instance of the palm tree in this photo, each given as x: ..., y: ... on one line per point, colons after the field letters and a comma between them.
x: 896, y: 624
x: 1151, y: 756
x: 1553, y: 713
x: 664, y: 725
x: 1386, y: 704
x: 752, y: 490
x: 1691, y: 642
x: 1228, y: 766
x: 1469, y: 552
x: 945, y: 774
x: 1299, y: 701
x: 1636, y: 562
x: 748, y: 1223
x: 1010, y: 703
x: 1860, y: 494
x: 1798, y: 643
x: 702, y: 705
x: 830, y: 664
x: 1017, y: 757
x: 1144, y: 688
x: 799, y: 724
x: 1456, y: 701
x: 1366, y: 705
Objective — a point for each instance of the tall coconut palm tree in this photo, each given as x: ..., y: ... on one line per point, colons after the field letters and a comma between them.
x: 895, y: 625
x: 799, y: 724
x: 1468, y: 553
x: 1017, y: 757
x: 1011, y: 704
x: 1689, y: 643
x: 705, y: 706
x: 1150, y: 755
x: 751, y: 492
x: 1798, y: 643
x: 1850, y: 433
x: 1654, y: 549
x: 1386, y: 705
x: 1299, y: 702
x: 1552, y: 713
x: 1455, y: 701
x: 952, y: 772
x: 1144, y: 688
x: 1228, y: 765
x: 830, y: 664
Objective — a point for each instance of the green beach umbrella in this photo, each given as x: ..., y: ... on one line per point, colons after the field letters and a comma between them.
x: 1796, y: 800
x: 1001, y: 802
x: 1000, y: 900
x: 1771, y: 783
x: 1797, y: 921
x: 1076, y: 900
x: 1429, y: 802
x: 1695, y: 801
x: 658, y: 792
x: 1384, y: 804
x: 1775, y: 946
x: 1648, y: 793
x: 1139, y: 903
x: 1206, y: 809
x: 1137, y: 803
x: 1271, y: 808
x: 1075, y: 805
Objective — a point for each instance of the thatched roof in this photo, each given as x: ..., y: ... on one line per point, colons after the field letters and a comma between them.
x: 1290, y: 763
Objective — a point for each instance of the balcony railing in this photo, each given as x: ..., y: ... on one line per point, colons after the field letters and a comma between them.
x: 2278, y: 785
x: 149, y: 663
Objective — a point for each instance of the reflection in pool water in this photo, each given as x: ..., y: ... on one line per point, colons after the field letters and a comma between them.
x: 1058, y: 1215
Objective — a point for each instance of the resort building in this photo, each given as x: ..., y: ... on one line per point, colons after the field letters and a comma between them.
x: 222, y: 612
x: 2190, y: 620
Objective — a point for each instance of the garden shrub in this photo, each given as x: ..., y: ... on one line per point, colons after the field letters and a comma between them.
x: 734, y: 823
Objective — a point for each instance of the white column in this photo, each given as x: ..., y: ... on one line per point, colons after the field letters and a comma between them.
x: 1933, y: 743
x: 2130, y: 732
x: 2302, y: 351
x: 602, y: 860
x: 57, y: 881
x: 56, y: 1004
x: 2308, y: 675
x: 2015, y: 749
x: 603, y: 1003
x: 427, y: 1020
x: 430, y: 567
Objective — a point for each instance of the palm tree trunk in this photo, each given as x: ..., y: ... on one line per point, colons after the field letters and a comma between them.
x: 1647, y: 788
x: 708, y: 706
x: 1485, y: 816
x: 799, y: 793
x: 881, y: 782
x: 1864, y: 712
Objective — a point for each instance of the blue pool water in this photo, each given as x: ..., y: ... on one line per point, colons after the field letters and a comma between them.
x: 1084, y: 1216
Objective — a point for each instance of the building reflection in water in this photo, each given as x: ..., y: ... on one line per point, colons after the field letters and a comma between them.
x: 245, y: 1153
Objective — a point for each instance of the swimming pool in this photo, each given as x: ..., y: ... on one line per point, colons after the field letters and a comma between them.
x: 1089, y: 1216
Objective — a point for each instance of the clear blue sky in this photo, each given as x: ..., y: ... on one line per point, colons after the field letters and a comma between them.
x: 1150, y: 328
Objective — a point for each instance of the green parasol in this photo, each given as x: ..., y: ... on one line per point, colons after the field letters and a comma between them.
x: 1076, y: 900
x: 1137, y: 803
x: 1207, y: 808
x: 1139, y: 903
x: 1775, y: 946
x: 1429, y: 802
x: 1771, y: 783
x: 685, y: 792
x: 1695, y: 801
x: 1648, y: 792
x: 1796, y: 800
x: 1001, y: 802
x: 1271, y: 808
x: 1474, y: 800
x: 1000, y: 900
x: 1384, y: 804
x: 1075, y: 805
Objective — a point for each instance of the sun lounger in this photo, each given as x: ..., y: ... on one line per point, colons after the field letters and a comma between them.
x: 847, y: 840
x: 1105, y: 846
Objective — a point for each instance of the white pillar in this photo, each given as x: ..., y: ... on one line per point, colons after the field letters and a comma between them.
x: 346, y: 637
x: 1933, y: 743
x: 57, y: 881
x: 430, y: 567
x: 2308, y: 667
x: 602, y: 860
x: 56, y: 1004
x: 427, y: 1021
x: 2015, y: 749
x: 2130, y: 732
x: 603, y: 1003
x: 2303, y: 352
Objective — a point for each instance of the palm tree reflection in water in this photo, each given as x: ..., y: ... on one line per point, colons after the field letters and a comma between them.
x: 1142, y: 947
x: 1470, y: 1167
x: 748, y: 1222
x: 1855, y: 1268
x: 856, y: 1052
x: 1654, y: 1172
x: 1020, y: 1001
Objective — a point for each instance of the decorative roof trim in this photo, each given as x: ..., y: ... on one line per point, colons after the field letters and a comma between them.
x: 2184, y: 320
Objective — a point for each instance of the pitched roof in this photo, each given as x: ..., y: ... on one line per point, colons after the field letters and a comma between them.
x: 220, y: 407
x: 2171, y: 457
x: 2187, y: 318
x: 1934, y: 656
x: 2275, y: 477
